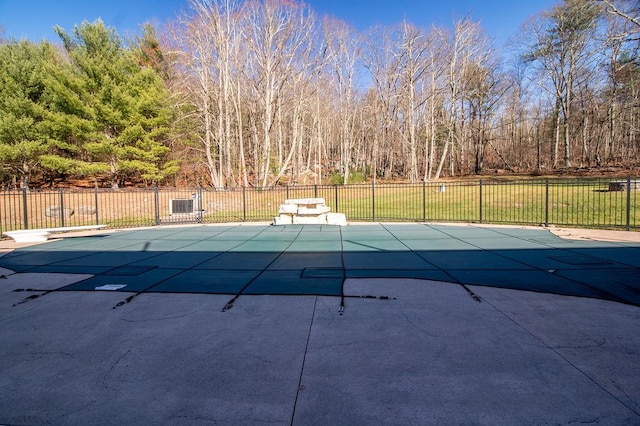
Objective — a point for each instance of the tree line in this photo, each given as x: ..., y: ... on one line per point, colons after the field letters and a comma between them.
x: 267, y: 92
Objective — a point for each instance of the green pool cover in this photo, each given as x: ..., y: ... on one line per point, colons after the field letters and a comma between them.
x: 316, y: 259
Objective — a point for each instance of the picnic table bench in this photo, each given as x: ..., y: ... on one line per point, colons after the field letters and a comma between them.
x: 43, y: 234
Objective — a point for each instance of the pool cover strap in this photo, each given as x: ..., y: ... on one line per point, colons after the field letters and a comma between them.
x: 230, y: 303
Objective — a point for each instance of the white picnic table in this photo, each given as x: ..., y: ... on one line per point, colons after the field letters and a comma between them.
x: 303, y: 211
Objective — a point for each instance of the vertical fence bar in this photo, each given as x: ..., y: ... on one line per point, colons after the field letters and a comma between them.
x: 62, y: 207
x: 373, y: 201
x: 567, y: 206
x: 424, y: 201
x: 95, y: 200
x: 628, y: 227
x: 244, y: 204
x: 3, y: 210
x: 546, y: 202
x: 199, y: 204
x: 25, y: 216
x: 335, y: 189
x: 480, y: 200
x: 156, y: 204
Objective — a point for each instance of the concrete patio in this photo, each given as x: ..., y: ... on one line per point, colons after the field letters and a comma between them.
x: 387, y: 349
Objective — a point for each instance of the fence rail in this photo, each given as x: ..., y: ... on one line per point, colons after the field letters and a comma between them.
x: 591, y: 203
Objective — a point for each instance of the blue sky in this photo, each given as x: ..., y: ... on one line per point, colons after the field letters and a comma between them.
x: 34, y: 19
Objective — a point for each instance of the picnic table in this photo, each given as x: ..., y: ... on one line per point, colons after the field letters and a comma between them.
x: 301, y: 211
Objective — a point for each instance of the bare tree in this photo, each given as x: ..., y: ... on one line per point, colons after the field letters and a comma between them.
x: 413, y: 59
x: 463, y: 47
x: 380, y: 58
x: 277, y: 35
x: 435, y: 87
x: 622, y: 46
x: 273, y: 97
x: 203, y: 45
x: 629, y: 10
x: 561, y: 47
x: 343, y: 52
x: 485, y: 87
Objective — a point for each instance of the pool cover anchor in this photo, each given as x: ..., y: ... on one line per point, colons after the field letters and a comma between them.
x: 125, y: 301
x: 472, y: 294
x: 229, y: 305
x: 363, y: 296
x: 33, y: 296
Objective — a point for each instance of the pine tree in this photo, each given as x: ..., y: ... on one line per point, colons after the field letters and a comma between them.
x: 125, y: 103
x: 23, y: 136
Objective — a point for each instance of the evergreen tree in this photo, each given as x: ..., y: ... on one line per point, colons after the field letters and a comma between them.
x: 124, y: 102
x: 70, y: 123
x: 23, y: 135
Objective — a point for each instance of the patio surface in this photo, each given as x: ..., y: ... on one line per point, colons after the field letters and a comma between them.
x: 364, y: 324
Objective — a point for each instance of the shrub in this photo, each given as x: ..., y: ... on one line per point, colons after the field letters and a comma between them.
x: 356, y: 176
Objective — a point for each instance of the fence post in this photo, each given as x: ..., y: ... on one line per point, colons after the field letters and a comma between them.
x: 480, y: 200
x: 25, y: 215
x: 424, y: 201
x: 335, y: 187
x: 373, y: 201
x: 156, y: 204
x: 61, y: 207
x: 546, y: 202
x: 95, y: 198
x: 628, y: 203
x: 315, y: 191
x: 199, y: 203
x: 244, y: 204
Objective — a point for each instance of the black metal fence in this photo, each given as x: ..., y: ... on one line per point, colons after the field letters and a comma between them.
x: 591, y: 203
